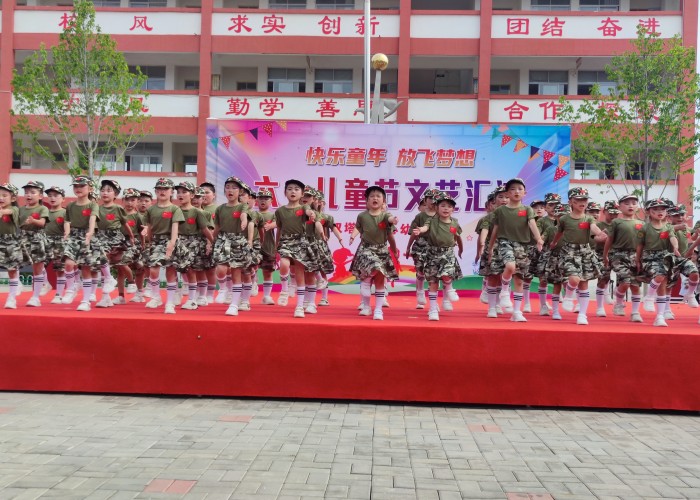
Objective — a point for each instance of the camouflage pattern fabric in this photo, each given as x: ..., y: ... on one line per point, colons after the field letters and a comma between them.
x: 624, y: 264
x: 268, y: 262
x: 155, y: 254
x: 553, y: 268
x: 54, y: 252
x: 325, y: 257
x: 111, y: 240
x: 371, y: 259
x: 542, y: 259
x: 256, y: 257
x: 77, y: 250
x: 441, y: 262
x: 419, y: 249
x: 656, y: 263
x: 232, y: 250
x: 133, y: 256
x: 534, y: 255
x: 11, y: 255
x: 197, y: 246
x: 485, y: 267
x: 510, y: 251
x: 33, y: 246
x: 296, y: 248
x: 604, y: 271
x: 681, y: 266
x: 579, y: 260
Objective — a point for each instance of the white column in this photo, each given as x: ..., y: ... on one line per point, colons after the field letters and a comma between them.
x: 168, y: 155
x: 262, y: 78
x: 169, y: 77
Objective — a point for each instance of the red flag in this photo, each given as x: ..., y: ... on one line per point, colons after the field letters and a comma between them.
x: 226, y: 140
x: 268, y: 129
x: 505, y: 140
x: 547, y: 155
x: 559, y: 173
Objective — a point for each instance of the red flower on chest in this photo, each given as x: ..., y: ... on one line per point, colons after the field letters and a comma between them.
x: 60, y: 220
x: 213, y: 216
x: 131, y: 223
x: 167, y: 215
x: 6, y: 218
x: 36, y: 216
x: 382, y: 225
x: 522, y: 213
x: 323, y: 222
x: 584, y: 225
x: 308, y: 222
x: 299, y: 212
x: 638, y: 226
x: 236, y: 215
x: 453, y: 230
x: 663, y: 235
x: 110, y: 217
x: 191, y: 220
x: 87, y: 212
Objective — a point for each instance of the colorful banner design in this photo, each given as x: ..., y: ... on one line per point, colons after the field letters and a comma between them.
x: 343, y: 159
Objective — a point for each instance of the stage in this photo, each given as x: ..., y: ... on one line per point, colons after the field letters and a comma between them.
x: 335, y: 354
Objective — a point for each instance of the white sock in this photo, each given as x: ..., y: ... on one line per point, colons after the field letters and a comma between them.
x: 14, y: 288
x: 237, y: 291
x: 492, y: 292
x: 170, y: 292
x: 636, y: 301
x: 517, y: 301
x: 311, y: 294
x: 155, y: 288
x: 301, y: 295
x: 599, y: 298
x: 584, y: 297
x: 245, y: 294
x: 267, y: 288
x: 202, y: 289
x: 432, y: 297
x: 379, y: 298
x: 284, y: 281
x: 87, y: 290
x: 365, y: 292
x: 37, y: 283
x: 542, y: 292
x: 60, y: 285
x: 192, y: 291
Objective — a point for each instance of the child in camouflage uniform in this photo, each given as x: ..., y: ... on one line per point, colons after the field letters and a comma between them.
x: 620, y: 253
x: 33, y: 216
x: 482, y: 224
x: 328, y: 223
x: 513, y: 224
x: 209, y: 207
x: 418, y: 244
x: 372, y: 262
x: 132, y: 258
x: 578, y: 261
x: 268, y: 250
x: 314, y: 236
x: 533, y: 254
x: 552, y: 268
x: 162, y: 222
x: 441, y: 265
x: 80, y: 249
x: 248, y: 275
x: 54, y: 238
x: 485, y: 264
x: 10, y: 244
x: 690, y: 285
x: 325, y: 258
x: 547, y: 228
x: 605, y: 217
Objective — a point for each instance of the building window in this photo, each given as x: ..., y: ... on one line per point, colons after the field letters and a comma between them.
x: 385, y: 88
x: 107, y: 3
x: 147, y: 4
x: 599, y: 5
x: 550, y: 4
x: 155, y: 77
x: 335, y: 4
x: 191, y: 84
x: 145, y: 157
x: 333, y: 81
x: 500, y: 89
x: 252, y: 86
x: 548, y: 83
x: 586, y: 170
x: 286, y: 80
x: 287, y: 4
x: 586, y: 80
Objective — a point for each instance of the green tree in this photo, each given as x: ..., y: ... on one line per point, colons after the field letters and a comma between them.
x: 643, y: 132
x: 81, y: 94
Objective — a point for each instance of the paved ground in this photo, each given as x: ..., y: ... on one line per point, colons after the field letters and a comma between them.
x: 85, y: 446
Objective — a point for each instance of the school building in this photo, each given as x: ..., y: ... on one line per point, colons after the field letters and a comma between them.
x: 451, y: 61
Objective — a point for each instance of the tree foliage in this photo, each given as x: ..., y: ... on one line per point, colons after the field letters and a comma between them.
x: 81, y: 95
x: 644, y: 131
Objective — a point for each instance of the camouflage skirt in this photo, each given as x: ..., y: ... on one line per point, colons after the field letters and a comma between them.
x: 133, y: 256
x: 54, y: 252
x: 372, y: 259
x: 325, y: 258
x: 624, y: 264
x: 196, y: 244
x: 297, y: 249
x: 604, y: 271
x: 534, y: 255
x: 419, y: 251
x: 33, y: 246
x: 681, y: 266
x: 10, y: 252
x: 441, y: 262
x: 111, y: 240
x: 579, y: 260
x: 155, y: 253
x: 232, y: 250
x: 256, y: 252
x: 542, y: 259
x: 79, y: 252
x: 487, y: 268
x: 552, y: 270
x: 510, y: 251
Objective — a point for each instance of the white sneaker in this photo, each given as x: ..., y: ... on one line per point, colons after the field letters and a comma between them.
x: 648, y: 304
x: 10, y: 303
x: 636, y: 318
x: 292, y: 290
x: 68, y: 297
x: 359, y: 307
x: 109, y: 285
x: 556, y: 316
x: 601, y: 313
x: 93, y: 297
x: 492, y: 313
x: 189, y: 305
x: 147, y: 292
x: 567, y: 304
x: 119, y: 301
x: 321, y: 284
x: 582, y: 319
x: 660, y: 321
x: 608, y: 299
x: 667, y: 315
x: 447, y: 305
x: 154, y: 303
x: 138, y: 298
x: 232, y: 310
x: 255, y: 290
x: 228, y: 298
x: 283, y: 299
x: 619, y: 310
x: 365, y: 311
x: 169, y: 308
x: 484, y: 297
x: 323, y: 302
x: 691, y: 300
x: 202, y: 302
x: 104, y: 302
x: 378, y: 314
x: 244, y: 306
x: 386, y: 302
x: 299, y: 312
x: 433, y: 315
x: 34, y: 302
x: 499, y: 309
x: 177, y: 299
x: 83, y: 306
x: 269, y: 301
x: 220, y: 297
x: 131, y: 288
x: 311, y: 309
x: 544, y: 310
x: 453, y: 295
x: 45, y: 288
x: 420, y: 299
x: 577, y: 307
x: 57, y: 300
x: 504, y: 301
x: 518, y: 317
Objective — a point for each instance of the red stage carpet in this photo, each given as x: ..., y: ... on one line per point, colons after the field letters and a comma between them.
x: 463, y: 358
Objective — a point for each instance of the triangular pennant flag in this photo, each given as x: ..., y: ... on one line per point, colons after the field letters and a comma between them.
x: 519, y: 145
x: 282, y: 125
x: 494, y: 134
x: 547, y: 155
x: 485, y: 128
x: 505, y: 140
x: 559, y: 173
x: 563, y: 160
x: 254, y: 133
x: 226, y: 140
x: 268, y: 129
x: 215, y: 141
x: 534, y: 151
x: 503, y: 128
x: 546, y: 165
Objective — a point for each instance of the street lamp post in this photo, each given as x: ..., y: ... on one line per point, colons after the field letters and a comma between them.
x: 367, y: 60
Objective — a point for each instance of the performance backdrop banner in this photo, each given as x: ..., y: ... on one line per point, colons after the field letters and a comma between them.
x: 343, y: 159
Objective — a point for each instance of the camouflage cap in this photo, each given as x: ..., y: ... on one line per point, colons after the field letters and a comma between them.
x: 113, y: 183
x: 430, y: 193
x: 131, y: 193
x: 534, y: 203
x: 189, y: 186
x: 612, y: 207
x: 264, y: 193
x: 309, y: 191
x: 680, y: 209
x: 199, y: 192
x: 234, y: 180
x: 145, y: 194
x: 491, y: 197
x: 593, y: 205
x: 656, y: 203
x: 499, y: 189
x: 561, y: 209
x: 34, y: 184
x: 319, y: 195
x: 443, y: 196
x: 552, y: 198
x: 164, y: 183
x: 514, y: 180
x: 6, y: 186
x: 578, y: 193
x: 55, y: 189
x: 245, y: 187
x: 669, y: 202
x: 81, y: 180
x: 628, y: 196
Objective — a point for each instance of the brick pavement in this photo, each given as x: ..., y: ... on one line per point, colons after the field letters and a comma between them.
x: 121, y: 447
